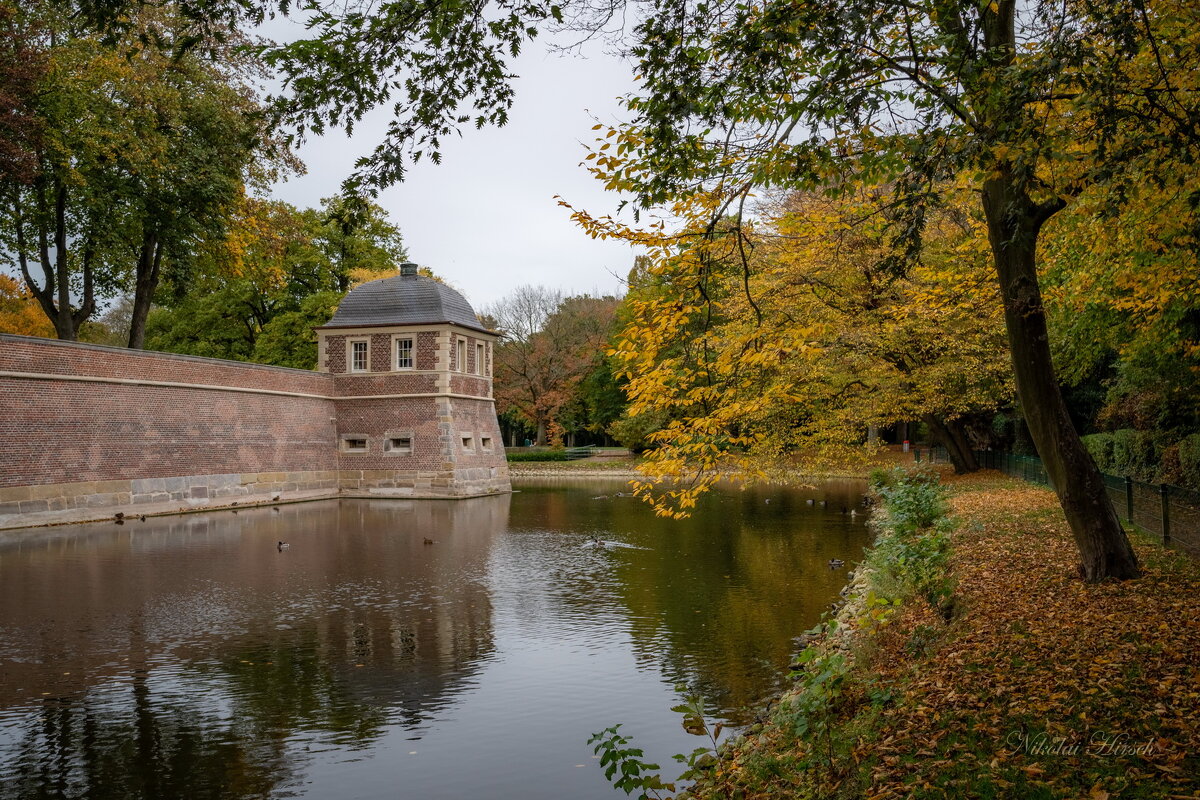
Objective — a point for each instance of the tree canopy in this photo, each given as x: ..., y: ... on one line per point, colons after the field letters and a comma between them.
x: 1027, y: 104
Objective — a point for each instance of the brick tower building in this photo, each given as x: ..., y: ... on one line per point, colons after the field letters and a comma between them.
x: 412, y: 374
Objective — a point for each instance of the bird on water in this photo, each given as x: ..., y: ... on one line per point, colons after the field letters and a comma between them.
x: 283, y: 545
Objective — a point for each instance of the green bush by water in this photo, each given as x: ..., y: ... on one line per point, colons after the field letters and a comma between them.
x: 538, y: 455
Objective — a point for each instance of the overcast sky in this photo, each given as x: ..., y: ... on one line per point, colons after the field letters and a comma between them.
x: 485, y: 219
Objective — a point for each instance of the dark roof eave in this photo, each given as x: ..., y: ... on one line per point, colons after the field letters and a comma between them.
x: 479, y: 328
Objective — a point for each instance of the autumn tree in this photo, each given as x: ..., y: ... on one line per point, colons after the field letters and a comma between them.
x: 759, y: 350
x: 886, y: 347
x: 549, y: 344
x: 1032, y: 102
x: 20, y: 312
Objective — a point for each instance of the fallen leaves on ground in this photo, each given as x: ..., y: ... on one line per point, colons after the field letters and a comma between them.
x: 1041, y: 686
x: 1045, y: 685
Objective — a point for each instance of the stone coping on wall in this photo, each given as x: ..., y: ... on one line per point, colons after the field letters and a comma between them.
x: 66, y: 503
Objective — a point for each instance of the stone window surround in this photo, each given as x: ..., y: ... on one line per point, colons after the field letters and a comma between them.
x: 350, y: 342
x: 389, y: 436
x: 485, y: 444
x: 345, y: 439
x: 468, y: 441
x: 412, y: 352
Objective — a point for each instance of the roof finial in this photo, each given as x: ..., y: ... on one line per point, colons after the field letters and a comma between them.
x: 408, y: 269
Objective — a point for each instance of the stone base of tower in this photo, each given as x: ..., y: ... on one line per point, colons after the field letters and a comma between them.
x: 449, y: 484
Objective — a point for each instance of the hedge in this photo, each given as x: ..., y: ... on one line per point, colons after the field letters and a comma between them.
x: 539, y: 455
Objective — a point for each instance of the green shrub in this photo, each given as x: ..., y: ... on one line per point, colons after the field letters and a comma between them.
x: 909, y: 559
x: 914, y: 501
x: 538, y: 455
x: 1100, y: 446
x: 1135, y: 454
x: 634, y: 432
x: 1189, y: 461
x: 880, y: 478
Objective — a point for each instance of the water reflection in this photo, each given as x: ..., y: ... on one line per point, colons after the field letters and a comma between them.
x: 189, y: 657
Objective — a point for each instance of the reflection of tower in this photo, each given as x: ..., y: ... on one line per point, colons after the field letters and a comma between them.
x: 412, y: 369
x: 409, y: 658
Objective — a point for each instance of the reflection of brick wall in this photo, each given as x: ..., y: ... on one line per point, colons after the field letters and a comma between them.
x: 59, y: 430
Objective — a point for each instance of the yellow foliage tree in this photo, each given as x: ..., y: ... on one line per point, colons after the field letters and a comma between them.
x: 20, y: 312
x: 760, y: 343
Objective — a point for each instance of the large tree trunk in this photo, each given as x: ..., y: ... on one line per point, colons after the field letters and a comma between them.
x: 145, y: 285
x: 1014, y: 222
x: 950, y: 435
x: 541, y: 433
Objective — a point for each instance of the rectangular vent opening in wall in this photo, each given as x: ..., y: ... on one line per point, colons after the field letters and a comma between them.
x: 485, y: 442
x: 468, y: 444
x: 400, y: 445
x: 354, y: 444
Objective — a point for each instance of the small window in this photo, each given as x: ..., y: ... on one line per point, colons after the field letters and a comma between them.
x: 352, y: 444
x: 485, y: 443
x: 462, y: 355
x: 468, y: 443
x: 479, y: 359
x: 358, y: 356
x: 404, y: 353
x: 398, y: 444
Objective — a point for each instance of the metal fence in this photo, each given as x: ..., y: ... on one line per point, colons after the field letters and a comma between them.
x: 1171, y: 513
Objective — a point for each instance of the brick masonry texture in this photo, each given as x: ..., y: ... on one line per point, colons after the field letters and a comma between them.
x: 61, y: 431
x: 396, y: 383
x: 233, y: 430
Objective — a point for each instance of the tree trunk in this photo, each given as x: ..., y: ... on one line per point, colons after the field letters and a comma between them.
x: 540, y: 441
x: 1014, y: 221
x: 64, y: 322
x: 950, y: 435
x: 145, y: 285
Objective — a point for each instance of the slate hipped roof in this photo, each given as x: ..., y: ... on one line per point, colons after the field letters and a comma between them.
x: 406, y: 299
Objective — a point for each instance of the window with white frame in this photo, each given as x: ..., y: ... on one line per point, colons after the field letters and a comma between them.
x: 479, y: 358
x: 404, y: 353
x: 358, y: 355
x: 462, y: 354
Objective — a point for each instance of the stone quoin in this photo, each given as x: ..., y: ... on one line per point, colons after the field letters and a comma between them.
x: 401, y: 406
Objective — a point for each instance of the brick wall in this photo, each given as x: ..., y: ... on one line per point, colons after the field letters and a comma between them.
x: 60, y: 430
x: 395, y: 383
x: 85, y: 426
x: 427, y: 350
x: 335, y: 354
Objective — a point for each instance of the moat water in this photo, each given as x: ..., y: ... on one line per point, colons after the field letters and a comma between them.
x: 190, y: 657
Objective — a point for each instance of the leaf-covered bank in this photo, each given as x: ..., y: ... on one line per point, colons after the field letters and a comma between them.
x: 975, y: 663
